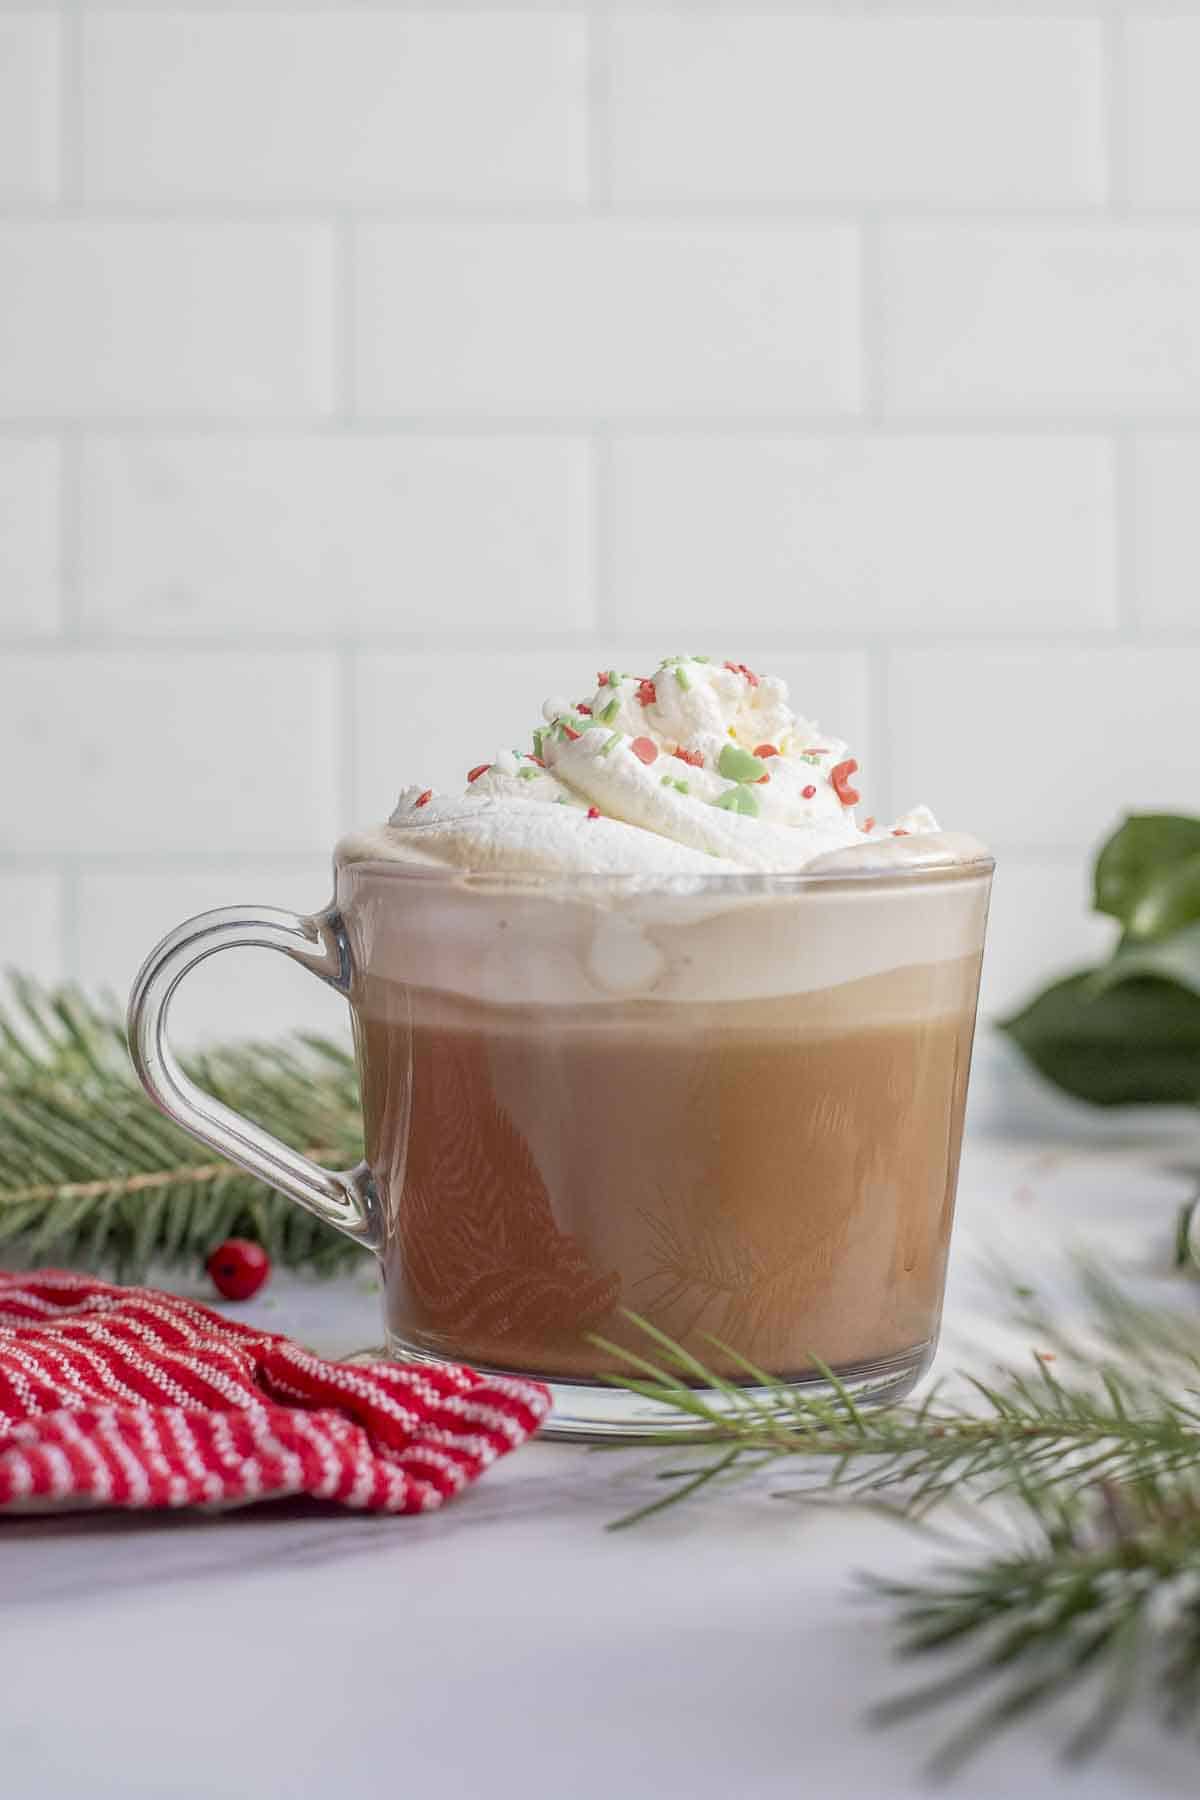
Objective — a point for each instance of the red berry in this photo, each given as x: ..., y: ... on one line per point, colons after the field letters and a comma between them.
x: 238, y: 1268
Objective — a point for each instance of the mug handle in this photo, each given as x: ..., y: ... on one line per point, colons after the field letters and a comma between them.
x: 341, y: 1197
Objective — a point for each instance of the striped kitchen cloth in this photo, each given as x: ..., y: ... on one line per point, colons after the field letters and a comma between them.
x: 128, y: 1397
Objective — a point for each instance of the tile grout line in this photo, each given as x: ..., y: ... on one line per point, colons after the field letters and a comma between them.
x: 872, y: 333
x: 345, y: 371
x: 70, y: 536
x: 1124, y: 527
x: 598, y: 116
x: 1114, y: 114
x: 72, y: 98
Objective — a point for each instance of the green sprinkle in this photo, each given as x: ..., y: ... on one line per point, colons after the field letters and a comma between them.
x: 607, y: 714
x: 528, y: 774
x: 539, y: 738
x: 681, y: 787
x: 739, y: 800
x: 736, y: 764
x: 702, y: 659
x: 614, y: 680
x: 814, y: 760
x: 612, y: 743
x: 681, y: 676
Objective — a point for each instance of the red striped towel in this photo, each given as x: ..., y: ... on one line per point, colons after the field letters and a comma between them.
x: 113, y: 1396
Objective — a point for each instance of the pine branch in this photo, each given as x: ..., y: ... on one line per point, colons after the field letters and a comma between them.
x: 91, y: 1172
x: 1100, y: 1474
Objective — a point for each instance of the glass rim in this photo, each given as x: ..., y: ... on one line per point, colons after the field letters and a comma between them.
x: 669, y: 883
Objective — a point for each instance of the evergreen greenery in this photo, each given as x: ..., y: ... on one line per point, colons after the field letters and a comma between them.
x: 91, y: 1172
x: 1091, y: 1575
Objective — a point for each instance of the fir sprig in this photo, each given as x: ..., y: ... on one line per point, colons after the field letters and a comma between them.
x: 1097, y: 1580
x: 91, y: 1172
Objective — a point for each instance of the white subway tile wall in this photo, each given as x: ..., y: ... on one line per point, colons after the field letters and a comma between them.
x: 368, y: 371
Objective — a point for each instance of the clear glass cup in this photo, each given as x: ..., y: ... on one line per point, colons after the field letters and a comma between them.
x: 729, y: 1106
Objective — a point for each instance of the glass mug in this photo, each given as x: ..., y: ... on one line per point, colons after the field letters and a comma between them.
x: 729, y: 1106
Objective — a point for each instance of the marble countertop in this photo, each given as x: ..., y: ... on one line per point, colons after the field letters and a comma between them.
x: 510, y: 1645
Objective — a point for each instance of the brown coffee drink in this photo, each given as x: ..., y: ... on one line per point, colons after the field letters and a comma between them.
x: 777, y: 1174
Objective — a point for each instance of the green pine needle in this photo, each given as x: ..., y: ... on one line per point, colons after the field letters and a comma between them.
x: 92, y: 1173
x: 1091, y: 1580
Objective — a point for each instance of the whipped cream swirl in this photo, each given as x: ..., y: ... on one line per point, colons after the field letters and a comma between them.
x: 701, y: 767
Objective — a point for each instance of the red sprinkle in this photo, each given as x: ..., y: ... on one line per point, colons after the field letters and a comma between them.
x: 602, y: 678
x: 815, y: 750
x: 763, y: 777
x: 645, y: 749
x: 477, y: 771
x: 839, y: 776
x: 593, y: 812
x: 424, y: 799
x: 741, y: 669
x: 900, y: 832
x: 647, y: 692
x: 766, y: 750
x: 808, y: 792
x: 576, y: 734
x: 870, y: 824
x: 585, y: 710
x: 537, y: 760
x: 689, y: 756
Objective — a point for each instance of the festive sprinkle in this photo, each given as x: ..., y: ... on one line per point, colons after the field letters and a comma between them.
x: 693, y: 757
x: 538, y: 761
x: 814, y: 760
x: 869, y: 824
x: 839, y: 777
x: 808, y: 792
x: 585, y: 710
x: 608, y: 748
x: 424, y: 799
x: 765, y: 750
x: 576, y: 735
x: 900, y: 832
x: 739, y: 800
x: 602, y: 678
x: 645, y: 749
x: 702, y: 659
x: 527, y: 774
x: 608, y: 713
x: 593, y: 812
x: 477, y: 771
x: 539, y: 738
x: 761, y: 779
x: 681, y: 676
x: 741, y: 669
x: 681, y: 787
x: 816, y: 750
x: 738, y: 765
x: 647, y: 692
x: 614, y: 680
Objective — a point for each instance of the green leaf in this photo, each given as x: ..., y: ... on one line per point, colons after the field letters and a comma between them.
x: 1133, y: 1043
x: 1145, y: 846
x: 1169, y: 900
x: 1175, y: 959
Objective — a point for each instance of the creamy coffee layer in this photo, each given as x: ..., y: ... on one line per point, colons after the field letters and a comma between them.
x: 776, y: 1173
x: 588, y: 943
x: 701, y: 768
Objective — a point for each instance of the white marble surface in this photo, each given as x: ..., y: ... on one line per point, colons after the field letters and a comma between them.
x: 510, y: 1645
